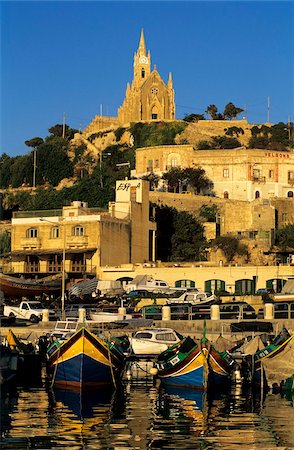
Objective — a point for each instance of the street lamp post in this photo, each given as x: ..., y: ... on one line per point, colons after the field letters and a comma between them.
x: 42, y: 219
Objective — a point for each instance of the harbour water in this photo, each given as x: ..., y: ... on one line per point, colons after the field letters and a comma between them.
x: 142, y: 415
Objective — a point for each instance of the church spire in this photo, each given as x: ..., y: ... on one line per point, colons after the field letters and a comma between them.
x: 142, y: 47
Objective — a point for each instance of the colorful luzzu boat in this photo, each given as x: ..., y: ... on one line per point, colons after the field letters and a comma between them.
x: 84, y: 360
x: 193, y: 365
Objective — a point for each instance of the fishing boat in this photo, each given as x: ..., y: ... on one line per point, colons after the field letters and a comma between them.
x: 84, y: 360
x: 20, y: 287
x: 274, y: 364
x: 194, y: 365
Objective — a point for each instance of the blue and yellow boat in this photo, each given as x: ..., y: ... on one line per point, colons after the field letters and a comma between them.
x: 84, y: 360
x: 194, y: 365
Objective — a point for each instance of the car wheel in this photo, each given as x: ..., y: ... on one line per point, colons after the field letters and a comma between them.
x: 34, y: 318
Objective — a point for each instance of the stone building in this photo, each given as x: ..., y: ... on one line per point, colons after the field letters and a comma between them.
x: 90, y: 238
x: 147, y: 98
x: 238, y: 174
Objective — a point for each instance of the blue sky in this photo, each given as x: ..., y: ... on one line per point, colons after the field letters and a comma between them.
x: 71, y: 57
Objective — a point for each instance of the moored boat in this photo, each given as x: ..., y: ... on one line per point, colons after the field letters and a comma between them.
x: 194, y: 365
x: 20, y: 287
x: 84, y: 360
x: 153, y: 341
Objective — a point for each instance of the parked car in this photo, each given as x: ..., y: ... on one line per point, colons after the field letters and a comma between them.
x: 237, y: 310
x: 262, y: 291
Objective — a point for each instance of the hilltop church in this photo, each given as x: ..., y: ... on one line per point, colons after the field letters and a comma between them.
x: 147, y: 98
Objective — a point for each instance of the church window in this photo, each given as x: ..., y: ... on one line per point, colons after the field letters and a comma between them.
x: 153, y: 116
x: 154, y: 91
x: 143, y: 73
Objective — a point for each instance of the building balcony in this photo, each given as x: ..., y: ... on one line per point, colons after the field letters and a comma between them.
x: 30, y: 243
x: 259, y: 179
x: 77, y: 241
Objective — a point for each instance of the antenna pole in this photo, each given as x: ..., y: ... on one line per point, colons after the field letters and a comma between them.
x: 268, y: 109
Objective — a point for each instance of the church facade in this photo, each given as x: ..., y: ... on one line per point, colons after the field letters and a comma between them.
x: 148, y: 97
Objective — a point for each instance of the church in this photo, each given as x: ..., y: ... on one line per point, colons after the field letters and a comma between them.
x: 147, y: 98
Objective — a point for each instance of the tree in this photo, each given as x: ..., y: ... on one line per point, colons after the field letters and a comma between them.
x: 173, y: 177
x: 209, y: 212
x: 179, y: 235
x: 197, y: 179
x: 5, y: 242
x: 285, y: 237
x: 153, y: 180
x: 231, y: 111
x: 58, y: 130
x: 230, y: 246
x: 224, y: 142
x: 193, y: 117
x: 34, y: 142
x: 211, y: 110
x: 187, y: 242
x: 234, y: 131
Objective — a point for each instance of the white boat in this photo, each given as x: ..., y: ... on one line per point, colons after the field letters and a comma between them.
x: 153, y: 341
x: 103, y: 316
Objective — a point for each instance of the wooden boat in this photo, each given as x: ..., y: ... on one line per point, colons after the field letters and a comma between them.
x: 194, y: 365
x: 19, y: 287
x: 274, y: 364
x: 84, y: 360
x: 153, y: 341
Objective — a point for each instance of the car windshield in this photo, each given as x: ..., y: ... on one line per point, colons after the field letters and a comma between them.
x: 36, y: 305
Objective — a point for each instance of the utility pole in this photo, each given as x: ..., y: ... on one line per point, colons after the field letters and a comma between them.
x: 289, y: 128
x: 63, y: 125
x: 245, y: 112
x: 268, y: 109
x: 35, y: 166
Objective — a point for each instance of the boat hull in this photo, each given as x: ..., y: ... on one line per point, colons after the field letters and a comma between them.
x: 16, y: 287
x: 85, y: 361
x: 196, y: 368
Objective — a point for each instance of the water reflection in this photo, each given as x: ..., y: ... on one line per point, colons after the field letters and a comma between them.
x: 142, y: 416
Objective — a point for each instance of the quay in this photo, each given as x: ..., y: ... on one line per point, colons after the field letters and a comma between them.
x: 192, y: 328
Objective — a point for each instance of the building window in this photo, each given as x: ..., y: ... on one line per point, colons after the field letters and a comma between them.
x: 78, y: 231
x: 226, y: 173
x: 257, y: 194
x: 156, y: 163
x: 143, y: 73
x: 284, y: 218
x: 55, y: 234
x: 174, y: 163
x: 32, y: 233
x: 256, y: 174
x: 226, y: 194
x: 290, y: 194
x: 150, y: 165
x: 154, y: 91
x: 291, y: 175
x: 271, y: 174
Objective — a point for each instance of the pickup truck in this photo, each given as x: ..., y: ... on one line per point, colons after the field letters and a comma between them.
x: 29, y: 310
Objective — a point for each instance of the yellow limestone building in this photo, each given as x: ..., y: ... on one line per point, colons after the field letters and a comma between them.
x: 148, y: 97
x: 89, y: 238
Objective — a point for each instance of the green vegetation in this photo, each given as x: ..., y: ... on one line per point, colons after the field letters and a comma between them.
x: 5, y: 242
x: 179, y: 235
x: 276, y: 137
x: 157, y: 133
x: 230, y: 112
x: 194, y: 117
x: 234, y: 131
x: 194, y: 177
x: 209, y: 212
x: 219, y: 142
x: 231, y: 247
x: 285, y: 238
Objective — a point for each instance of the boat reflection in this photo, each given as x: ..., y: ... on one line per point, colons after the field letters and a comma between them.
x: 84, y: 404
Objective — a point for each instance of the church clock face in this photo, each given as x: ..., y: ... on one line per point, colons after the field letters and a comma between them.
x: 143, y: 60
